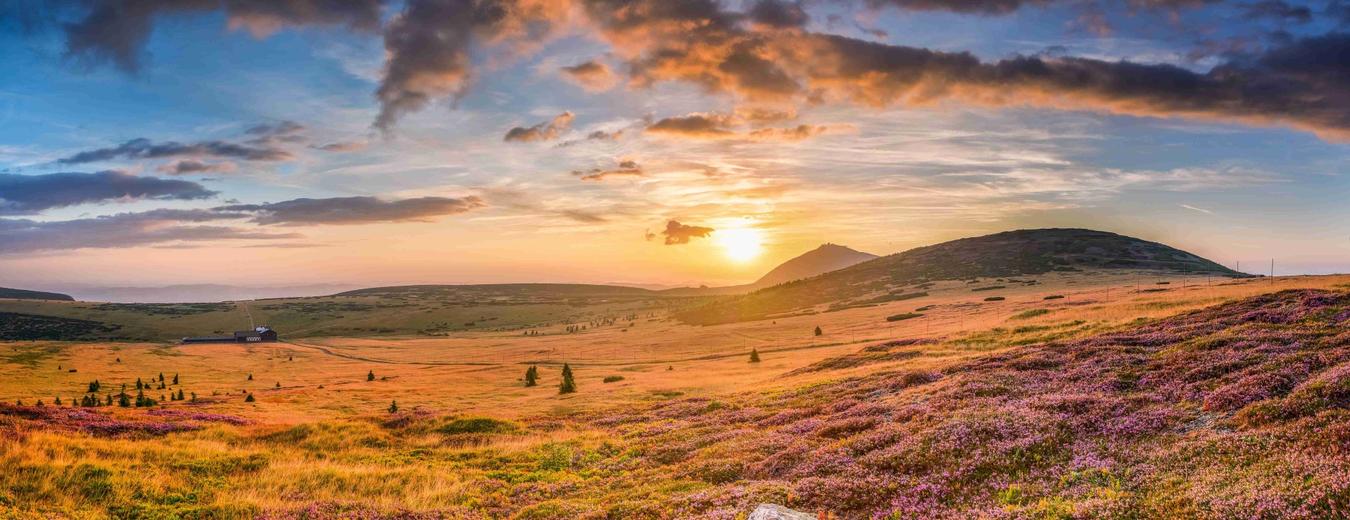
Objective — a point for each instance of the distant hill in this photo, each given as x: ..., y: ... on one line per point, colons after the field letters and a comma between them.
x: 1012, y: 253
x: 190, y: 293
x: 501, y: 289
x: 21, y: 294
x: 821, y: 260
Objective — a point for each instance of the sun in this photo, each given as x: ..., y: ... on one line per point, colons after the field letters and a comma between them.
x: 740, y: 244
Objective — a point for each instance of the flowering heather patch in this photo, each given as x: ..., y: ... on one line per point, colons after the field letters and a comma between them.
x: 92, y: 422
x: 1241, y: 410
x: 881, y: 352
x: 198, y: 416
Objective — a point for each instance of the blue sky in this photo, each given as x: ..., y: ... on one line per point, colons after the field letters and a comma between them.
x: 867, y: 149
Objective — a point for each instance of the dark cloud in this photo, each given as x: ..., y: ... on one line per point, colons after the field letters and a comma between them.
x: 189, y: 166
x: 778, y: 14
x: 796, y: 133
x: 145, y: 149
x: 601, y: 135
x: 677, y: 233
x: 724, y: 126
x: 344, y: 146
x: 626, y: 168
x: 115, y: 31
x: 763, y: 115
x: 1004, y: 7
x: 695, y: 126
x: 594, y: 76
x: 1305, y: 84
x: 354, y: 210
x: 1279, y: 11
x: 124, y: 230
x: 276, y: 135
x: 546, y: 131
x: 269, y: 129
x: 428, y: 46
x: 30, y: 194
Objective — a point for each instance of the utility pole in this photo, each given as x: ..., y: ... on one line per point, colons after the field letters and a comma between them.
x: 1272, y: 271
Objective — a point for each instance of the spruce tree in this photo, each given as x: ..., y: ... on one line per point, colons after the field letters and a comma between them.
x: 139, y: 384
x: 180, y: 394
x: 250, y: 376
x: 531, y: 376
x: 568, y: 384
x: 754, y: 355
x: 393, y: 406
x: 110, y: 401
x: 123, y: 400
x: 818, y: 331
x: 370, y: 376
x: 278, y: 385
x: 175, y: 379
x: 161, y: 377
x: 58, y: 400
x: 249, y: 399
x: 93, y: 386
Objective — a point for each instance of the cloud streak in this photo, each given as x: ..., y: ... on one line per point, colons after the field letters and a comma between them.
x: 142, y: 148
x: 124, y: 230
x: 354, y: 210
x: 546, y: 131
x: 31, y: 194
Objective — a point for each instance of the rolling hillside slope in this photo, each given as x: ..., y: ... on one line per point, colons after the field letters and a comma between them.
x: 23, y: 294
x: 1012, y: 253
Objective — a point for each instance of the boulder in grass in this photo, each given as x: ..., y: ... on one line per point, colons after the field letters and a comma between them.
x: 777, y: 512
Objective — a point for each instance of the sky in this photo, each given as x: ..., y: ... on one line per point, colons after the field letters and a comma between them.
x: 653, y: 142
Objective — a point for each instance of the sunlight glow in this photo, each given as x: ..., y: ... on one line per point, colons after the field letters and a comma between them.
x: 740, y: 244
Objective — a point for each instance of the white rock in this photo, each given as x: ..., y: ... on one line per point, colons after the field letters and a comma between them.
x: 777, y: 512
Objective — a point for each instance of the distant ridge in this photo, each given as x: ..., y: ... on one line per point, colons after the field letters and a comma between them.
x: 818, y: 261
x: 563, y: 289
x: 22, y: 294
x: 1011, y: 253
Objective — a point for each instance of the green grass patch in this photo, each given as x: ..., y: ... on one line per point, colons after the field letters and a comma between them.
x: 904, y: 316
x: 478, y: 425
x: 1030, y: 313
